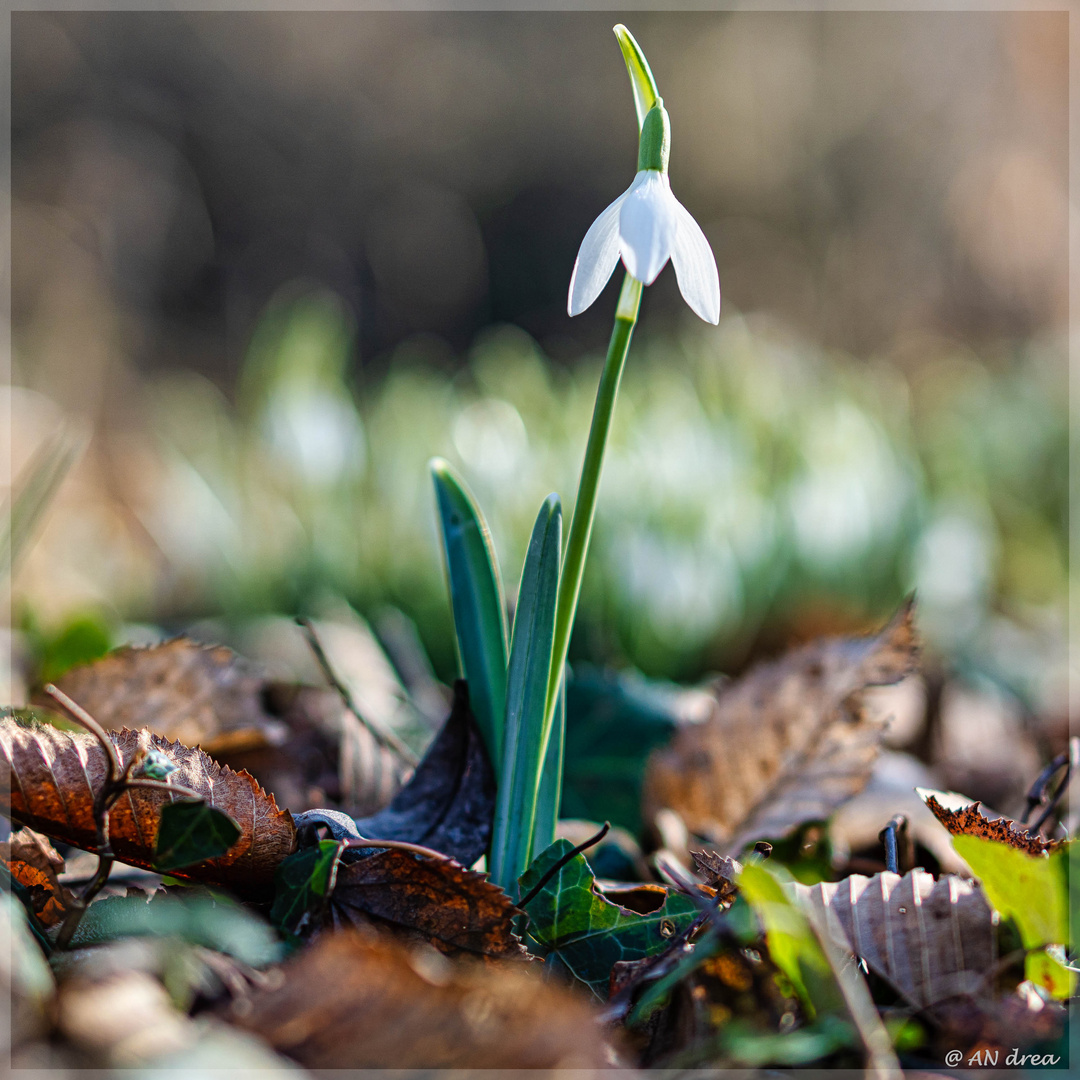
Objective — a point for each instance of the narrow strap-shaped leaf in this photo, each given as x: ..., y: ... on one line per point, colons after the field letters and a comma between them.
x: 476, y: 597
x: 527, y: 727
x: 550, y: 794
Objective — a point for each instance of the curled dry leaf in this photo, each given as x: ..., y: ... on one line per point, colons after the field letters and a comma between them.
x: 48, y: 779
x: 971, y: 820
x: 449, y: 803
x: 352, y: 1001
x: 784, y: 745
x: 434, y: 900
x: 931, y: 939
x: 35, y: 864
x: 199, y: 695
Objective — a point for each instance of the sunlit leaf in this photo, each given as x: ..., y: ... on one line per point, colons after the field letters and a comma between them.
x: 1032, y: 890
x: 476, y: 596
x: 792, y: 944
x: 525, y: 735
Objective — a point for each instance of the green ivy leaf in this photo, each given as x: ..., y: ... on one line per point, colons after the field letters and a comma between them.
x: 582, y: 933
x: 1033, y: 891
x: 190, y: 832
x: 302, y: 884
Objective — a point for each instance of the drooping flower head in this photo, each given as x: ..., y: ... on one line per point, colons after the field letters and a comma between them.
x: 646, y: 225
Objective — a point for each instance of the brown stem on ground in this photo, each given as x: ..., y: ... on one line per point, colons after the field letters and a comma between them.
x: 383, y: 736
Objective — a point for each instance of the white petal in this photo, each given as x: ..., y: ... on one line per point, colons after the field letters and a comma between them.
x: 647, y: 225
x: 695, y: 267
x: 596, y: 259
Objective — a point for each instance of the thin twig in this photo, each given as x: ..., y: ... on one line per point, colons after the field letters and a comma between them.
x: 162, y: 785
x: 81, y: 716
x: 535, y: 890
x: 397, y: 845
x: 382, y: 735
x: 1071, y: 763
x: 1037, y: 793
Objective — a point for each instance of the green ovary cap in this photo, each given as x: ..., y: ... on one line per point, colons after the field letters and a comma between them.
x: 655, y: 143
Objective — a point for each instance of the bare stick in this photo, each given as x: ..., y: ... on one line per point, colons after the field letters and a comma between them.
x: 81, y: 716
x: 1037, y: 793
x: 892, y: 836
x: 162, y: 785
x: 382, y: 735
x: 1072, y: 763
x: 397, y: 845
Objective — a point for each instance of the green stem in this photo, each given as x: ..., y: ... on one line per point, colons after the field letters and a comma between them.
x: 577, y: 547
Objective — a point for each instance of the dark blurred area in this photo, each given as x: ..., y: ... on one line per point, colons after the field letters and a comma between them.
x: 869, y: 177
x: 269, y: 263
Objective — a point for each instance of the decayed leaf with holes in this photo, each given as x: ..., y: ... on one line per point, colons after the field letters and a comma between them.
x: 421, y: 897
x: 354, y: 1001
x: 930, y: 938
x: 784, y: 745
x: 199, y: 695
x: 972, y: 820
x: 48, y: 779
x: 35, y: 863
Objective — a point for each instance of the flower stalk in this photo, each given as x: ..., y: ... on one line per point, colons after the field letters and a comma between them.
x: 577, y: 546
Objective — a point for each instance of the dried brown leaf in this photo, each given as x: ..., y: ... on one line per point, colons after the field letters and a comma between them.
x: 971, y: 820
x: 719, y: 872
x: 196, y: 694
x: 48, y: 779
x: 300, y: 742
x: 35, y: 863
x: 930, y: 938
x: 352, y: 1001
x: 434, y: 900
x: 784, y: 745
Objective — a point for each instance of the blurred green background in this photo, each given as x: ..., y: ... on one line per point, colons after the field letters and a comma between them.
x: 268, y: 264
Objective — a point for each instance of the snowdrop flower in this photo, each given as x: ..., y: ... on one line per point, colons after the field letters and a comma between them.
x: 645, y: 227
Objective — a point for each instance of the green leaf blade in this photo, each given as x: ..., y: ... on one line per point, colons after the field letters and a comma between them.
x: 792, y: 944
x: 190, y: 832
x: 527, y: 727
x: 549, y: 797
x: 476, y: 597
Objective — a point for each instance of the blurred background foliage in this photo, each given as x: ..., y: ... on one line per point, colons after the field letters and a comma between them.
x: 268, y: 264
